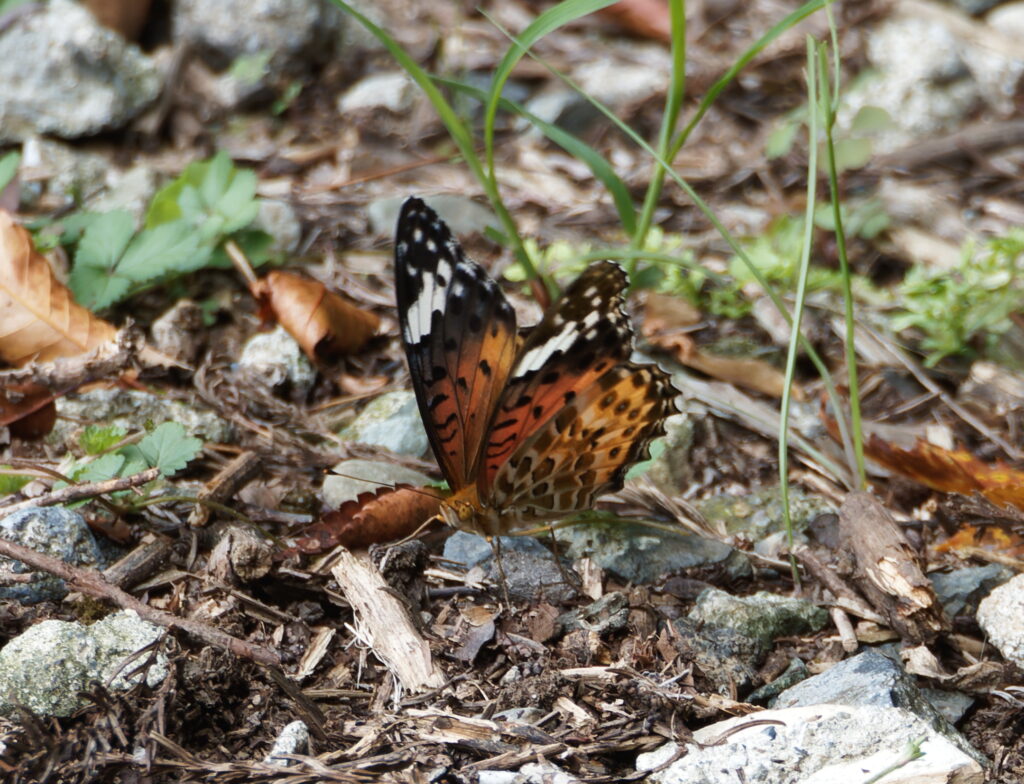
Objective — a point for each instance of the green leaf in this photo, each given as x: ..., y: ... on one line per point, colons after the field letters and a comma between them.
x: 95, y: 279
x: 101, y: 469
x: 12, y: 483
x: 160, y: 251
x: 641, y: 468
x: 9, y: 168
x: 95, y: 439
x: 852, y: 153
x: 871, y: 119
x: 780, y: 140
x: 169, y: 448
x: 249, y: 69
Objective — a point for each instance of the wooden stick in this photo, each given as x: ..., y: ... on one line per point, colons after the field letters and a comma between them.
x: 92, y: 583
x: 86, y: 490
x: 887, y: 569
x: 385, y: 621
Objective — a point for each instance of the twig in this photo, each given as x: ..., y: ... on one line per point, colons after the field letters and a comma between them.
x: 92, y: 583
x: 86, y: 490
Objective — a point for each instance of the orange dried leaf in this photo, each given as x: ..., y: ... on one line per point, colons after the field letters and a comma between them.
x: 375, y: 516
x: 950, y: 471
x: 649, y: 18
x: 39, y: 319
x: 321, y: 321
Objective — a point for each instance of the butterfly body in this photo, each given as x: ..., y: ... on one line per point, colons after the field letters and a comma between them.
x: 524, y: 432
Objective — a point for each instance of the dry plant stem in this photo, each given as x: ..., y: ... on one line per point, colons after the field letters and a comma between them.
x: 888, y: 571
x: 836, y: 585
x: 385, y: 622
x: 242, y: 265
x: 225, y: 484
x: 92, y: 584
x: 846, y: 633
x: 87, y: 490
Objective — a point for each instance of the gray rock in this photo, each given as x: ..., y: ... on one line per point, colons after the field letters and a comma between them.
x: 565, y: 108
x: 67, y: 75
x: 533, y: 577
x: 621, y: 83
x: 45, y: 667
x: 130, y: 190
x: 56, y: 175
x: 671, y: 471
x: 278, y: 219
x: 292, y: 739
x: 471, y: 550
x: 962, y: 589
x: 275, y: 361
x: 762, y: 617
x: 391, y: 421
x: 54, y: 531
x: 530, y: 773
x: 463, y: 216
x: 870, y: 679
x: 1001, y: 617
x: 393, y: 91
x: 757, y: 515
x: 951, y: 704
x: 724, y: 656
x: 132, y: 410
x: 366, y: 476
x: 608, y: 614
x: 795, y: 672
x: 820, y: 744
x: 292, y: 31
x: 638, y: 553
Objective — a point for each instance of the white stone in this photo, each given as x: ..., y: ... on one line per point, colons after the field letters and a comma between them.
x: 1001, y: 617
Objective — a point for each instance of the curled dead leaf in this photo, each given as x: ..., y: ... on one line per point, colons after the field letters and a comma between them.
x: 39, y: 319
x: 374, y: 517
x: 27, y: 410
x: 321, y: 321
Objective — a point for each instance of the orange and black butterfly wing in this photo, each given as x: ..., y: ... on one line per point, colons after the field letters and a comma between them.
x: 585, y: 450
x: 585, y: 334
x: 459, y: 333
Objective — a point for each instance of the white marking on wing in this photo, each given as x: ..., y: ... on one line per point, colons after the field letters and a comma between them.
x: 419, y: 314
x: 538, y: 356
x: 440, y: 293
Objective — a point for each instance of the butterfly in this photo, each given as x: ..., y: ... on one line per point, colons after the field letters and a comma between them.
x: 525, y: 432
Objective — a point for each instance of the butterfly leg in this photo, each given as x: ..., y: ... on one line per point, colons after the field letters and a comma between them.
x: 495, y: 543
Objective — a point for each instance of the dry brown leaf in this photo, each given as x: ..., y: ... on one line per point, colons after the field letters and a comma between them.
x: 649, y: 18
x: 375, y: 516
x: 27, y: 410
x: 39, y: 319
x: 125, y: 16
x: 321, y: 321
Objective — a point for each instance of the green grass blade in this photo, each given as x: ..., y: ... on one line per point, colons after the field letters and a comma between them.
x: 457, y: 129
x: 598, y: 165
x: 549, y: 21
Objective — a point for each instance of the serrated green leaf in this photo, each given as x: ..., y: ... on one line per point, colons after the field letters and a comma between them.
x: 162, y: 250
x: 96, y: 288
x: 169, y: 448
x: 96, y: 439
x: 105, y: 240
x: 101, y: 469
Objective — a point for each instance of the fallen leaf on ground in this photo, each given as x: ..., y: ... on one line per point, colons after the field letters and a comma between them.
x: 39, y: 319
x: 755, y: 374
x: 322, y: 322
x: 970, y: 539
x: 375, y: 516
x: 27, y: 410
x: 649, y: 18
x: 950, y: 471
